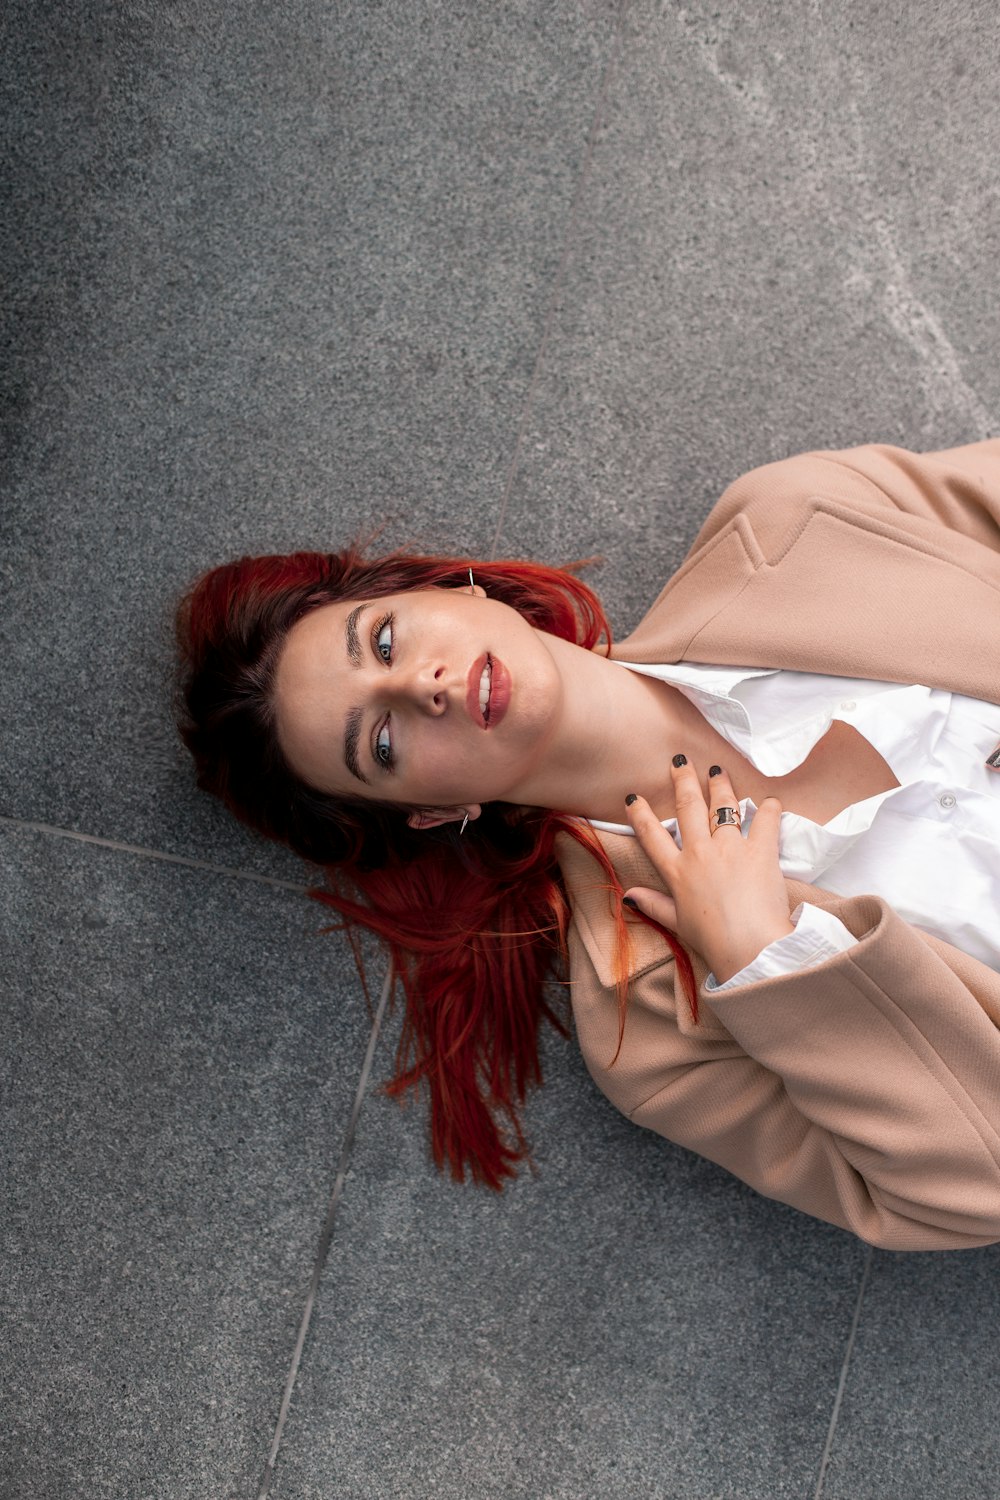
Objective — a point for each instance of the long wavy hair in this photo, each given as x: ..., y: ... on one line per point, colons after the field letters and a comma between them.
x: 475, y: 927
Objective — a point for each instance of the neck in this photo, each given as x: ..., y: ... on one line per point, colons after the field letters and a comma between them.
x: 617, y: 733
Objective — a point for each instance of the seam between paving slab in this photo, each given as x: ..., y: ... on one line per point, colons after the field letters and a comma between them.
x: 326, y: 1236
x: 144, y: 853
x: 842, y: 1383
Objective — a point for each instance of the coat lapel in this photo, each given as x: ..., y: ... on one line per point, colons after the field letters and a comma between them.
x: 849, y: 597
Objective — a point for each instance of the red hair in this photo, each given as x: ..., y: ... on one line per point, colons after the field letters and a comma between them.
x: 474, y: 927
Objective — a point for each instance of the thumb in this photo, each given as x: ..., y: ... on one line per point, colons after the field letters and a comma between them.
x: 653, y: 904
x: 768, y: 816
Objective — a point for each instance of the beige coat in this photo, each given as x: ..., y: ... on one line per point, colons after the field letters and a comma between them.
x: 865, y: 1091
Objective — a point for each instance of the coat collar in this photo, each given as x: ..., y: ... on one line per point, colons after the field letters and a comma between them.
x: 848, y: 597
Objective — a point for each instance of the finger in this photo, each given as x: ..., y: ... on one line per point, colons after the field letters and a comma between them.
x: 721, y: 794
x: 656, y: 843
x: 689, y: 802
x: 653, y: 904
x: 768, y: 815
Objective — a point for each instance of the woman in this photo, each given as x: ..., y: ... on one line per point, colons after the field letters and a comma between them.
x: 770, y: 851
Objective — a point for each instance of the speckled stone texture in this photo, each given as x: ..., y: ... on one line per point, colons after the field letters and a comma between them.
x: 518, y: 279
x: 632, y: 1322
x: 179, y: 1065
x: 921, y: 1412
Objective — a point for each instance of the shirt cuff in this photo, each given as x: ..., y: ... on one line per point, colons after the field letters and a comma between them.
x: 818, y: 935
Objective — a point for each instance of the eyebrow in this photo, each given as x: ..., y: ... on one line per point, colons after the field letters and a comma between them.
x: 351, y: 632
x: 352, y: 728
x: 351, y: 734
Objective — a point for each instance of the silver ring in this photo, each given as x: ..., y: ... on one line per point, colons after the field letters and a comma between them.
x: 726, y: 817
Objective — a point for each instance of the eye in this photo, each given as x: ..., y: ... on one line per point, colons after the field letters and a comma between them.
x: 382, y: 637
x: 383, y: 747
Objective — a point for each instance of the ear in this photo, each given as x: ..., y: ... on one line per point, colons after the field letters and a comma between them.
x: 468, y: 588
x: 433, y: 817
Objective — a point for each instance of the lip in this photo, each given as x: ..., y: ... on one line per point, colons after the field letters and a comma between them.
x: 499, y: 691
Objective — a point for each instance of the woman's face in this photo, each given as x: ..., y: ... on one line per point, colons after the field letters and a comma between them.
x: 437, y: 699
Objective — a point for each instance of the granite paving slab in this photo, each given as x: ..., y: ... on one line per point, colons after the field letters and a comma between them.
x: 921, y: 1409
x: 630, y: 1322
x: 180, y: 1058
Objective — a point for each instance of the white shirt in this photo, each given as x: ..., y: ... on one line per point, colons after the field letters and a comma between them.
x: 930, y: 847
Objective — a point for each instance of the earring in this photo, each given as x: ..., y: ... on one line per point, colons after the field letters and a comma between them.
x: 465, y: 822
x: 472, y: 581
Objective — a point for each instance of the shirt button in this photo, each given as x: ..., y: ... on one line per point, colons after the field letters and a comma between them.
x: 947, y: 800
x: 848, y: 704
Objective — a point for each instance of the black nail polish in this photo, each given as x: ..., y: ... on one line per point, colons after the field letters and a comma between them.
x: 994, y: 759
x: 680, y: 760
x: 632, y: 905
x: 632, y: 796
x: 715, y: 770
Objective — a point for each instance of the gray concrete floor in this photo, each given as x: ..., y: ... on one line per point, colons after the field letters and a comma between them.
x: 533, y: 278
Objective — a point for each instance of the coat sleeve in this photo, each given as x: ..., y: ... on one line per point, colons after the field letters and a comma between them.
x: 865, y: 1091
x: 957, y: 488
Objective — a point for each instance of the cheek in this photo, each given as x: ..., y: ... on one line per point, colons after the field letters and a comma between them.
x: 434, y: 766
x: 446, y: 771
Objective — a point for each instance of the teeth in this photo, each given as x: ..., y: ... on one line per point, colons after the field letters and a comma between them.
x: 484, y: 688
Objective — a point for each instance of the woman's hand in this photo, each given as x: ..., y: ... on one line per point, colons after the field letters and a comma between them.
x: 726, y: 894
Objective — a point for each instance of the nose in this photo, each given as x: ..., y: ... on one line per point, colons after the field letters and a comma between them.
x: 424, y: 687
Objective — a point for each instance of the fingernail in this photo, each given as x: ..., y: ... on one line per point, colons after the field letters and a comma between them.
x: 994, y: 759
x: 680, y: 760
x: 632, y: 797
x: 632, y: 905
x: 715, y: 770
